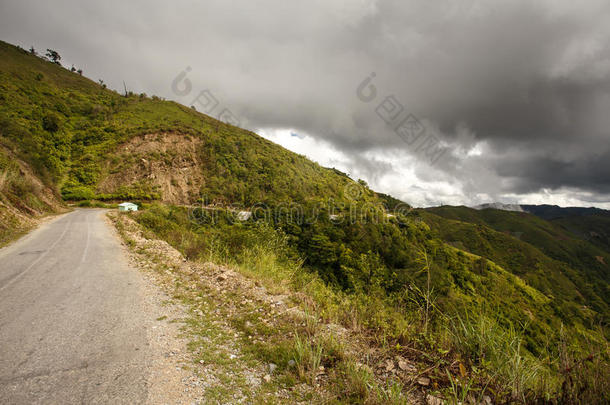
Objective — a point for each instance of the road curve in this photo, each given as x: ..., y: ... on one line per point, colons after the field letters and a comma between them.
x: 72, y: 321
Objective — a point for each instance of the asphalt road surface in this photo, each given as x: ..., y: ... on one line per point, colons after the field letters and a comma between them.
x: 72, y: 323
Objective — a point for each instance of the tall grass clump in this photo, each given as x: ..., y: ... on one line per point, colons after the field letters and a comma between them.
x: 308, y: 358
x: 585, y: 373
x: 499, y: 351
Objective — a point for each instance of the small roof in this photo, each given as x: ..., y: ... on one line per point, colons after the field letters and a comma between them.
x: 126, y: 204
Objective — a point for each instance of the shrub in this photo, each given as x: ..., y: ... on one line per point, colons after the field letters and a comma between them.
x: 51, y: 122
x: 78, y: 193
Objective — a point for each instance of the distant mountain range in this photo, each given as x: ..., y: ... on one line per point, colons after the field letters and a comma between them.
x: 499, y: 206
x: 544, y: 211
x: 555, y: 211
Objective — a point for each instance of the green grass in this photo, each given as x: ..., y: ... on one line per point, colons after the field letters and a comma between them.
x: 510, y: 348
x: 547, y: 257
x: 22, y: 198
x: 91, y: 122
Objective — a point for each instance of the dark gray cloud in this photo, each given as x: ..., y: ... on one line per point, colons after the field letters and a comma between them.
x: 518, y: 91
x: 554, y: 172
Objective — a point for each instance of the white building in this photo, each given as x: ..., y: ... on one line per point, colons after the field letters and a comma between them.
x: 127, y: 206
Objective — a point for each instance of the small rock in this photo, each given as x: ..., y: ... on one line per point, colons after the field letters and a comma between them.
x: 291, y: 363
x: 431, y: 400
x: 267, y: 378
x: 487, y: 400
x: 424, y: 381
x: 221, y: 277
x: 389, y: 365
x: 272, y: 368
x: 405, y: 366
x: 200, y: 361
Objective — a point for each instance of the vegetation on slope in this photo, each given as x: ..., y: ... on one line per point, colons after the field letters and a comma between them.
x: 442, y: 301
x: 23, y: 197
x: 593, y: 228
x: 72, y: 131
x: 552, y: 240
x: 590, y: 224
x: 573, y: 271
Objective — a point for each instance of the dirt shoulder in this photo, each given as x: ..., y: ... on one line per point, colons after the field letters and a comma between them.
x: 172, y: 379
x: 203, y: 317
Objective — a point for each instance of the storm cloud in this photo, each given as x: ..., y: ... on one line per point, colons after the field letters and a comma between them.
x: 514, y: 94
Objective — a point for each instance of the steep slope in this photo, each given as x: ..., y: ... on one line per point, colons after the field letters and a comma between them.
x: 595, y: 229
x: 95, y: 143
x: 590, y: 224
x: 553, y: 240
x: 23, y: 197
x: 550, y: 212
x: 547, y: 256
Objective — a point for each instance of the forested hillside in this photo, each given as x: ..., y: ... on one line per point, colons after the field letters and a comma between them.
x: 590, y: 224
x: 96, y: 143
x: 570, y: 270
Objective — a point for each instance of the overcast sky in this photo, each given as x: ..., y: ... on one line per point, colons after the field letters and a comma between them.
x: 453, y: 102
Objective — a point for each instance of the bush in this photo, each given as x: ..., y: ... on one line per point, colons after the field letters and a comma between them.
x: 51, y: 122
x: 77, y: 193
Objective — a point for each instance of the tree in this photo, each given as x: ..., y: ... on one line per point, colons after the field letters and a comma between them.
x: 32, y: 50
x: 72, y: 69
x: 51, y: 122
x: 480, y: 265
x: 372, y: 270
x: 423, y: 259
x: 80, y: 71
x: 53, y: 56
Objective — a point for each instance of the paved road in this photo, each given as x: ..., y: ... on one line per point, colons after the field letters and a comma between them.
x: 71, y: 316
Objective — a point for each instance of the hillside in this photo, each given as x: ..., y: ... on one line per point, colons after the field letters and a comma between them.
x: 552, y: 239
x: 95, y: 143
x: 24, y: 198
x: 406, y: 281
x: 590, y: 224
x: 551, y: 212
x: 550, y: 259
